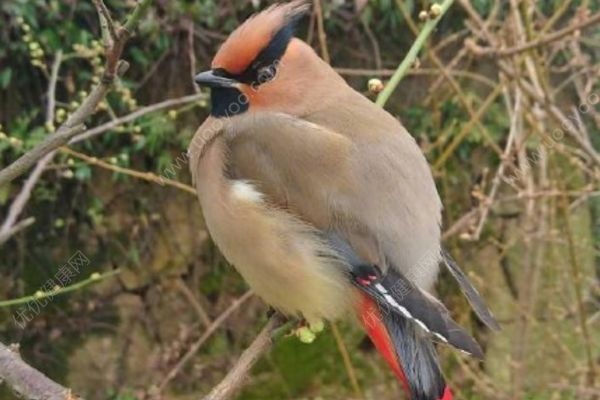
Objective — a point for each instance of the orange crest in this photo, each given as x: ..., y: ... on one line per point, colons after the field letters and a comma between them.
x: 249, y: 39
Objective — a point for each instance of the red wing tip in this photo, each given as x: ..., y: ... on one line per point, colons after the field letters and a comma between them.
x: 447, y: 394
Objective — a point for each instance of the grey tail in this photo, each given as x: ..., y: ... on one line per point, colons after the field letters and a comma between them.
x: 475, y: 300
x: 417, y: 357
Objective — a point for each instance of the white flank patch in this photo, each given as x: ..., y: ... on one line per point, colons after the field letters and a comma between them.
x: 245, y: 191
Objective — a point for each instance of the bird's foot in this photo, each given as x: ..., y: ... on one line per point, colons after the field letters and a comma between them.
x: 270, y: 312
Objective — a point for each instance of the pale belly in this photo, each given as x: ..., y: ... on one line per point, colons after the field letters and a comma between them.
x: 283, y: 260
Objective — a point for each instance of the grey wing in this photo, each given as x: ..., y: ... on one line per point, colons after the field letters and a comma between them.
x: 376, y: 190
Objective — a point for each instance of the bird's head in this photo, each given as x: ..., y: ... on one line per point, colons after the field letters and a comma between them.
x: 261, y: 66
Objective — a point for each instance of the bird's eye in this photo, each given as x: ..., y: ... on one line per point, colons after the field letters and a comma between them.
x: 266, y: 74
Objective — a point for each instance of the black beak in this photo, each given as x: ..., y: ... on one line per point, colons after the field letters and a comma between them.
x: 209, y: 79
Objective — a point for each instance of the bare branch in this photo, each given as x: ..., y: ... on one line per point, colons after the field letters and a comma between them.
x: 236, y: 377
x: 27, y: 381
x: 22, y: 198
x: 321, y: 30
x: 107, y: 25
x: 489, y: 200
x: 147, y: 176
x: 74, y: 124
x: 52, y: 88
x: 491, y: 52
x: 136, y: 114
x: 207, y: 334
x: 16, y: 228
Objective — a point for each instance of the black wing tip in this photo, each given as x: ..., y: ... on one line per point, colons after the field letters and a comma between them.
x: 477, y: 303
x: 468, y: 345
x: 492, y: 323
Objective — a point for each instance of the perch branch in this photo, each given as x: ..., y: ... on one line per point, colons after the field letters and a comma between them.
x: 236, y: 377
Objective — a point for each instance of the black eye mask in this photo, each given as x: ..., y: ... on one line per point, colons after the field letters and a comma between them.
x: 264, y: 67
x: 230, y: 101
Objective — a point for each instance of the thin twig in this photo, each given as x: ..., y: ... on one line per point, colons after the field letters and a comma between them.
x: 90, y: 133
x: 52, y: 88
x: 18, y: 205
x: 339, y: 340
x: 494, y: 52
x: 489, y: 200
x: 236, y: 377
x: 416, y: 72
x: 577, y: 281
x: 449, y: 150
x: 22, y: 198
x: 216, y: 324
x: 191, y: 298
x: 147, y: 176
x: 94, y: 278
x: 530, y: 89
x: 50, y: 143
x: 321, y: 31
x: 16, y: 228
x: 445, y: 73
x: 107, y: 25
x: 412, y: 54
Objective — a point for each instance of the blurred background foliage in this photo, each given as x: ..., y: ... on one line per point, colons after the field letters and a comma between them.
x: 536, y: 257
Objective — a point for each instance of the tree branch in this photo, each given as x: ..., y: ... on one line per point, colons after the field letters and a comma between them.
x: 236, y: 377
x: 552, y: 37
x: 74, y: 124
x: 107, y: 26
x: 146, y: 176
x: 16, y: 228
x: 90, y: 133
x: 52, y: 89
x: 22, y: 198
x: 216, y: 324
x: 27, y: 381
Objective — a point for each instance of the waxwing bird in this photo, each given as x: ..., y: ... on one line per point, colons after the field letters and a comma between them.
x: 322, y: 201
